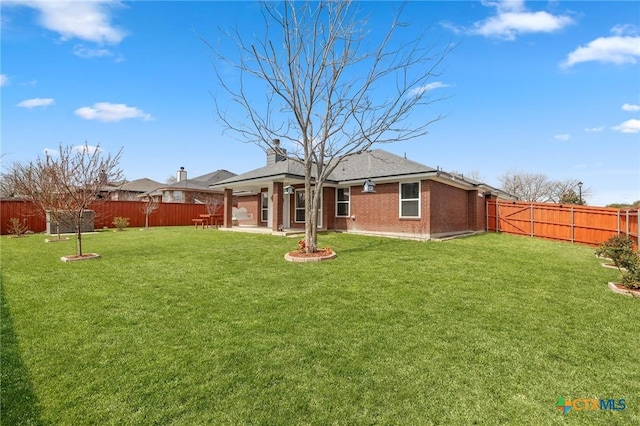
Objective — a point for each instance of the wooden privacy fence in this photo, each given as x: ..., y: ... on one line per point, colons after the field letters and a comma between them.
x: 167, y: 214
x: 564, y: 222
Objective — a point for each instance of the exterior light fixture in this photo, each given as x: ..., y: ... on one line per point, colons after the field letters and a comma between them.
x: 288, y: 190
x: 580, y: 191
x: 369, y: 187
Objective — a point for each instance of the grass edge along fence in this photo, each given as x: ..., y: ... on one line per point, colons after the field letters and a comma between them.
x: 167, y: 214
x: 562, y: 222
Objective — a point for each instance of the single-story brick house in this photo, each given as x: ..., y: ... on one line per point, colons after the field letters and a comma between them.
x: 409, y: 199
x: 194, y: 190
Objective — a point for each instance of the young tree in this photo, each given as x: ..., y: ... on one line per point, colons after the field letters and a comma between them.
x: 331, y: 88
x: 212, y: 201
x: 151, y: 204
x: 66, y: 184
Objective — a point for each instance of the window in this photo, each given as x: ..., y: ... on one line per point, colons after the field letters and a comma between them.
x: 410, y: 199
x: 178, y: 197
x: 264, y: 207
x: 342, y: 201
x: 299, y: 207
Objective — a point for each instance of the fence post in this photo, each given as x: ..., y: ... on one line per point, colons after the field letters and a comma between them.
x: 572, y: 224
x: 618, y: 226
x: 486, y: 219
x: 531, y: 219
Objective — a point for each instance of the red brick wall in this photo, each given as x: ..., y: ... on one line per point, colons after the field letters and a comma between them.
x: 477, y: 212
x: 380, y: 212
x: 449, y: 209
x: 252, y: 204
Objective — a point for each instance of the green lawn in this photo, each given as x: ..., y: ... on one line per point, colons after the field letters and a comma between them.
x: 183, y: 326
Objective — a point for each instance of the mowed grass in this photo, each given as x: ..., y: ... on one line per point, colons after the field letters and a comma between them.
x: 182, y: 326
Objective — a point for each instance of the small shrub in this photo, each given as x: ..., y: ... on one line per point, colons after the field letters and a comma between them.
x: 17, y: 227
x: 616, y: 248
x: 620, y: 250
x: 121, y: 222
x: 631, y: 273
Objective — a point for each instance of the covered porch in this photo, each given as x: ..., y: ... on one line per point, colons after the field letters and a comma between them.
x: 272, y: 205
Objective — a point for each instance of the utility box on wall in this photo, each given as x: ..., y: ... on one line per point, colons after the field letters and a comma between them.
x: 67, y: 225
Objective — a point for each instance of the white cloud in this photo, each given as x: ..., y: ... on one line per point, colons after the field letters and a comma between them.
x: 562, y: 137
x: 629, y: 126
x: 88, y: 149
x: 87, y: 52
x: 427, y: 88
x: 86, y: 20
x: 624, y: 29
x: 629, y: 107
x: 4, y: 80
x: 617, y: 49
x: 594, y: 129
x: 512, y: 19
x: 106, y: 111
x: 36, y: 102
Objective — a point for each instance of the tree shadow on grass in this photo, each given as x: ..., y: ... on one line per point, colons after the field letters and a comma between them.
x: 18, y: 401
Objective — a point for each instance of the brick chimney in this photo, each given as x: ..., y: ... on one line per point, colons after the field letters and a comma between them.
x: 276, y: 153
x: 181, y: 175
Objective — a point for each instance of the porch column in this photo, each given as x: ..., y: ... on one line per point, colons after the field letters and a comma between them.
x: 228, y: 208
x: 278, y: 203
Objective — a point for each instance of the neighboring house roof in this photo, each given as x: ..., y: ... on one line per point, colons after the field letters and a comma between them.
x: 113, y: 186
x: 200, y: 183
x: 140, y: 185
x: 377, y: 165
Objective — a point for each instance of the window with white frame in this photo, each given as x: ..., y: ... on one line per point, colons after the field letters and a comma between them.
x: 410, y: 199
x: 299, y: 207
x: 342, y: 201
x: 178, y: 197
x: 264, y: 207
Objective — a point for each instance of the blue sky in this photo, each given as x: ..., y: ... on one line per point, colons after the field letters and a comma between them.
x: 540, y: 87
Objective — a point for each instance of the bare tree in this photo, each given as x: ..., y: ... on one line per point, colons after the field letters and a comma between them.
x: 65, y: 185
x: 538, y: 188
x: 36, y: 182
x: 332, y: 90
x: 212, y: 201
x: 568, y: 192
x: 151, y: 204
x: 531, y: 187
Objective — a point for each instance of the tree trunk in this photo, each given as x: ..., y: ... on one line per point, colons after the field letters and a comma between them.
x: 146, y: 220
x: 310, y: 239
x: 79, y: 240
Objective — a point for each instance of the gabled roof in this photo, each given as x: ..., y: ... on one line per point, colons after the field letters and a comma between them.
x: 200, y: 183
x: 140, y: 185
